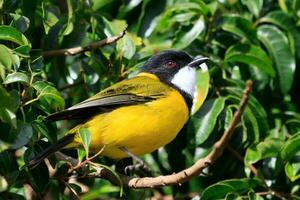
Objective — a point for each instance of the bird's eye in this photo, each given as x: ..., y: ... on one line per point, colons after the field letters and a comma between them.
x: 170, y: 64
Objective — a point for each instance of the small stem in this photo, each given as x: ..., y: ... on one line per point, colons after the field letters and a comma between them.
x: 30, y: 101
x: 80, y: 49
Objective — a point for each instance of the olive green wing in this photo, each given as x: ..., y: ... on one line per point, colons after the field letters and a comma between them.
x: 137, y: 90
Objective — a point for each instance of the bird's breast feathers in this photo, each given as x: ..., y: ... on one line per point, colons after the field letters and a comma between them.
x: 141, y: 128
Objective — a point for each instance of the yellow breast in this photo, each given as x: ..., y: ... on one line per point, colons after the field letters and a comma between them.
x: 140, y: 128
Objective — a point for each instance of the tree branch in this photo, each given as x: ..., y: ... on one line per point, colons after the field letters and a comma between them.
x: 80, y: 49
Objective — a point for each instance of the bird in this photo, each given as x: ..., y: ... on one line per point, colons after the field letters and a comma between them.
x: 137, y: 115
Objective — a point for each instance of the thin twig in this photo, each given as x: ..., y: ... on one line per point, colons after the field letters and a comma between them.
x: 80, y: 49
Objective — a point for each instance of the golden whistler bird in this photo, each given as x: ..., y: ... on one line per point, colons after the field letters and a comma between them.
x: 138, y: 115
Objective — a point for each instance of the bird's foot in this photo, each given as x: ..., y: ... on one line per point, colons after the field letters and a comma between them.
x: 139, y: 168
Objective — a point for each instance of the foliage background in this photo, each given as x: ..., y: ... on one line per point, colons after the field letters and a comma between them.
x: 246, y: 39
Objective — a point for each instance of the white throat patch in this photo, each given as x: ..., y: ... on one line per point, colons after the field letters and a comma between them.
x: 185, y: 79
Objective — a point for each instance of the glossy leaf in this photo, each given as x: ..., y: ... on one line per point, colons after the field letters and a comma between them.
x: 286, y: 22
x: 223, y: 188
x: 251, y: 55
x: 20, y: 22
x: 9, y: 167
x: 8, y: 107
x: 126, y: 47
x: 86, y: 138
x: 205, y: 119
x: 16, y: 77
x: 48, y: 95
x: 23, y: 51
x: 40, y: 127
x: 277, y: 45
x: 239, y: 26
x: 6, y: 57
x: 292, y: 170
x: 187, y: 38
x: 202, y: 87
x: 96, y: 192
x: 23, y: 136
x: 69, y: 26
x: 265, y: 149
x: 9, y: 33
x: 254, y: 6
x: 291, y: 147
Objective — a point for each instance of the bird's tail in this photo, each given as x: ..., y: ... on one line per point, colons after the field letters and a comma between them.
x: 59, y: 144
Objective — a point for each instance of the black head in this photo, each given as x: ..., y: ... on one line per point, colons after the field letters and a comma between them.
x: 166, y: 64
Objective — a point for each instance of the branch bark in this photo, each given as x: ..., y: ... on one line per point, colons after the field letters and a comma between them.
x: 80, y: 49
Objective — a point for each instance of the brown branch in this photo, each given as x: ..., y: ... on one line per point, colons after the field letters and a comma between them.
x: 197, y: 168
x: 80, y: 49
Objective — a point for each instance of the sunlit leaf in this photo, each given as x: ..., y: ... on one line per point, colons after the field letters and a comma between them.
x: 291, y: 147
x: 205, y: 119
x: 11, y: 34
x: 202, y: 87
x: 277, y: 45
x: 286, y: 22
x: 251, y: 55
x: 187, y: 38
x: 86, y: 138
x: 265, y: 149
x: 239, y: 26
x: 254, y: 6
x: 17, y: 77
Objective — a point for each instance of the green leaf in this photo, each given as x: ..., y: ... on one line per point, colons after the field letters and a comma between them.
x: 39, y: 177
x: 23, y: 136
x: 126, y: 47
x: 254, y: 6
x: 49, y: 18
x: 86, y: 138
x: 239, y: 26
x: 16, y: 77
x: 256, y: 109
x: 20, y: 22
x: 8, y: 106
x: 9, y: 33
x: 185, y: 39
x: 81, y: 153
x: 9, y: 167
x: 202, y: 88
x: 94, y: 193
x: 292, y: 170
x: 69, y: 26
x: 287, y: 23
x: 277, y: 45
x: 251, y: 55
x: 265, y: 149
x: 291, y: 147
x: 223, y: 188
x: 23, y: 51
x: 48, y: 96
x: 40, y: 127
x: 6, y: 59
x: 205, y: 119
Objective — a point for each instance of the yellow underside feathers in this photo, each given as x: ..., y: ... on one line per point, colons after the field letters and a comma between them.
x: 141, y: 128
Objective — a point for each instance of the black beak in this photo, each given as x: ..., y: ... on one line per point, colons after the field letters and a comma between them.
x: 198, y: 60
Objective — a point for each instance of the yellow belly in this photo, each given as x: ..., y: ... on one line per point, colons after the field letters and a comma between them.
x: 140, y: 128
